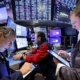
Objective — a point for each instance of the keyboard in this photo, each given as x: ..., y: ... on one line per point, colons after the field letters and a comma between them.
x: 21, y: 51
x: 17, y: 52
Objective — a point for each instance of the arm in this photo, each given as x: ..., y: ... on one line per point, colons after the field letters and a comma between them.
x: 33, y: 51
x: 64, y: 54
x: 39, y: 55
x: 18, y: 75
x: 18, y: 56
x: 67, y: 73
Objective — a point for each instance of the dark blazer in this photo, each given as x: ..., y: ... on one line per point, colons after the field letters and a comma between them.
x: 5, y: 71
x: 75, y: 56
x: 15, y: 76
x: 72, y: 73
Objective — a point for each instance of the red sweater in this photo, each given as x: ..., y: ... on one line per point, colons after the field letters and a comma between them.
x: 39, y: 54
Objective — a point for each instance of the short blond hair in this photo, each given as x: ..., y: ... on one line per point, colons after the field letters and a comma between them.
x: 7, y: 31
x: 76, y: 11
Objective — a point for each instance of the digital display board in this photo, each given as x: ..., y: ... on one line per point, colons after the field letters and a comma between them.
x: 62, y: 10
x: 33, y: 9
x: 5, y: 10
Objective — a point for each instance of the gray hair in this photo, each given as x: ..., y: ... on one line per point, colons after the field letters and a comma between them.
x: 7, y: 31
x: 76, y: 11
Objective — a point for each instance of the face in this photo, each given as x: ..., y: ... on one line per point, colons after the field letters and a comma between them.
x: 75, y: 21
x: 37, y: 39
x: 5, y: 42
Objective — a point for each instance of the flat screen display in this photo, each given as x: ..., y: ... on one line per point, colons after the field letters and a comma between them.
x: 21, y: 30
x: 56, y: 40
x: 55, y: 33
x: 69, y: 31
x: 33, y: 9
x: 5, y: 10
x: 21, y: 43
x: 11, y: 23
x: 62, y: 10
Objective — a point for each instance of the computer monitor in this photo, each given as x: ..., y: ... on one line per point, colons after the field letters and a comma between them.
x: 62, y: 10
x: 5, y: 10
x: 21, y: 30
x: 11, y: 23
x: 55, y: 40
x: 21, y: 43
x: 55, y: 33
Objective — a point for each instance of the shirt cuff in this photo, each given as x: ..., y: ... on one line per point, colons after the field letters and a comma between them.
x: 59, y: 65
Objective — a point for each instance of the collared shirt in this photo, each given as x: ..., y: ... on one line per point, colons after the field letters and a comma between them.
x: 79, y: 35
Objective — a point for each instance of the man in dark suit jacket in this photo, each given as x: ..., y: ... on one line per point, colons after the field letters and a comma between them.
x: 72, y: 73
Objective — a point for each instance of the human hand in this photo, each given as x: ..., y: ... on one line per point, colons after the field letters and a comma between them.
x: 17, y: 57
x: 63, y: 54
x: 55, y: 60
x: 26, y: 68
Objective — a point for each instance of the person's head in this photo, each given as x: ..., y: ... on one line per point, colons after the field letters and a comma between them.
x: 7, y: 36
x: 75, y: 18
x: 40, y: 37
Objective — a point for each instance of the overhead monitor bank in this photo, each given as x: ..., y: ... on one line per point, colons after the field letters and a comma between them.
x: 62, y: 10
x: 5, y: 10
x: 33, y: 9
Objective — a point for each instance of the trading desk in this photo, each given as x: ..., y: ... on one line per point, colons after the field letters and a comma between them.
x: 14, y: 64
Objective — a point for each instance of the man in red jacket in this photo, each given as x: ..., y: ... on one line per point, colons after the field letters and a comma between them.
x: 41, y: 57
x: 38, y: 54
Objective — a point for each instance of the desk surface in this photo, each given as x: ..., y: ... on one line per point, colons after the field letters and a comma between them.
x: 13, y: 62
